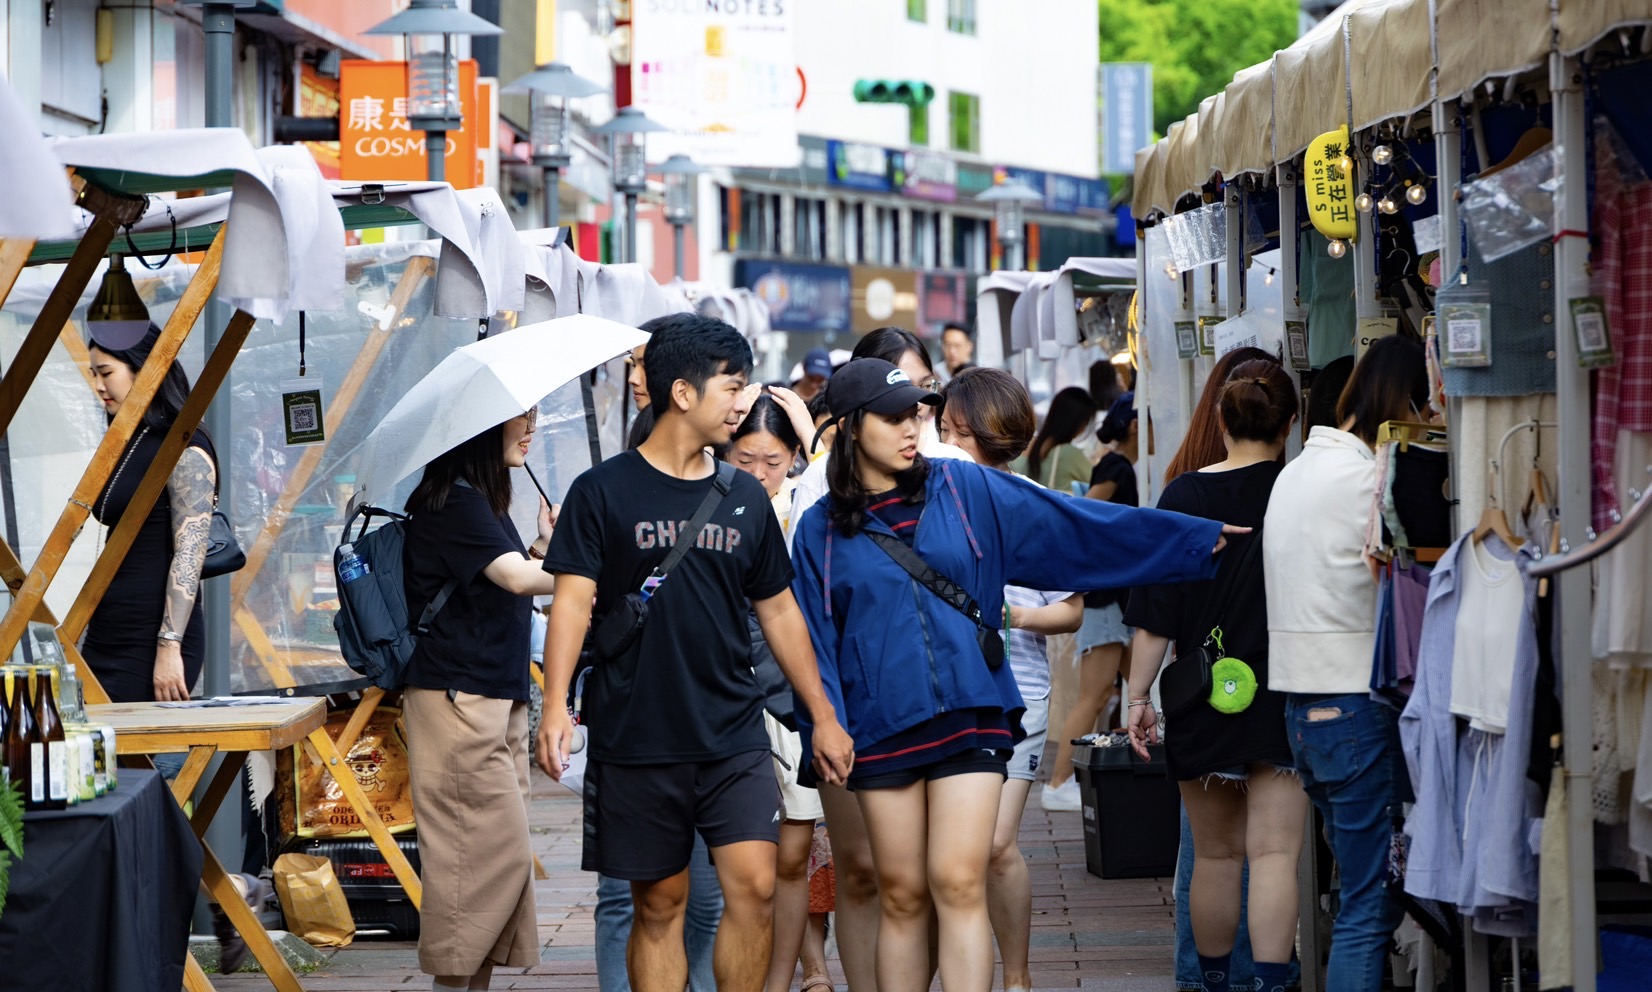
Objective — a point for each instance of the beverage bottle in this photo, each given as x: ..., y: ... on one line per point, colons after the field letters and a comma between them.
x: 5, y: 727
x: 55, y: 746
x: 19, y: 744
x: 351, y: 566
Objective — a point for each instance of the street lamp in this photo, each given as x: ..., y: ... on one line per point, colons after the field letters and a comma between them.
x: 628, y: 154
x: 549, y: 89
x: 1009, y: 201
x: 433, y: 106
x: 680, y: 189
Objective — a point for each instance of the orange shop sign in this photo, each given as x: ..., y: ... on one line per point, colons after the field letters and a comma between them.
x: 377, y: 142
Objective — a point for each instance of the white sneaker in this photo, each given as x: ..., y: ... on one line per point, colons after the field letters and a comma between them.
x: 1061, y: 798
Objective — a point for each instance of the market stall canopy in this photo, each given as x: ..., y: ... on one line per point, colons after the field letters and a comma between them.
x: 1394, y: 78
x: 1045, y: 315
x: 561, y: 283
x: 1485, y: 39
x: 1248, y: 122
x: 1310, y: 92
x: 995, y: 295
x: 1581, y: 24
x: 482, y: 385
x: 482, y: 263
x: 257, y: 274
x: 33, y: 174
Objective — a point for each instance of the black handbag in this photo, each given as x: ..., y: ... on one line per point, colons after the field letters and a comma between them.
x: 224, y: 554
x: 954, y: 595
x: 622, y: 624
x: 1186, y: 682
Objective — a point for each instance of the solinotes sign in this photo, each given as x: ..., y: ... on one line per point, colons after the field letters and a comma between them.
x: 722, y: 75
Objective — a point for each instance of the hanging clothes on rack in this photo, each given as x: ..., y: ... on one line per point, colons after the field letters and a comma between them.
x: 1622, y: 264
x: 1471, y: 827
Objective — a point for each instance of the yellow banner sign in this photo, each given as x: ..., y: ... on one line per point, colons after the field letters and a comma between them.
x: 1329, y: 185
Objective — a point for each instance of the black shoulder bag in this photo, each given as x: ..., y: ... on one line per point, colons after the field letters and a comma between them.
x: 1186, y: 682
x: 622, y: 625
x: 951, y: 593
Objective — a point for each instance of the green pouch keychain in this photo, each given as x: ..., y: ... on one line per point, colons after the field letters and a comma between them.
x: 1232, y: 683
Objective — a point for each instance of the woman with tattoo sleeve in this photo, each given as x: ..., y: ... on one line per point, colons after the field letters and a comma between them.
x: 145, y: 640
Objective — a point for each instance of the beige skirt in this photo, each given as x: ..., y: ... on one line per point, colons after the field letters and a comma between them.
x: 469, y: 764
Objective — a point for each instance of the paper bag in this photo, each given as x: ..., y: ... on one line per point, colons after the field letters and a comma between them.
x: 313, y: 901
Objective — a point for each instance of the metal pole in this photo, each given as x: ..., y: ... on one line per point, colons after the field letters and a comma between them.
x: 553, y: 191
x: 224, y: 834
x: 435, y: 149
x: 630, y: 227
x: 1236, y: 251
x: 1572, y: 403
x: 677, y: 249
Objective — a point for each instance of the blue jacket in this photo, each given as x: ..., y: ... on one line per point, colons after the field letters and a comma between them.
x: 892, y: 654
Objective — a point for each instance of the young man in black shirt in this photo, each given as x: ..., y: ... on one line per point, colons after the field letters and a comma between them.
x: 676, y: 732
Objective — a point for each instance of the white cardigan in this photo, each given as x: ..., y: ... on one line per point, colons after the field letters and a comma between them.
x: 1322, y: 603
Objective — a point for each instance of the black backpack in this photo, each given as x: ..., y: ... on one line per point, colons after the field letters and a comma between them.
x: 372, y: 623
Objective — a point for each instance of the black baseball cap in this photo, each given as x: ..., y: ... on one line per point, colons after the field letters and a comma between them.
x: 873, y: 384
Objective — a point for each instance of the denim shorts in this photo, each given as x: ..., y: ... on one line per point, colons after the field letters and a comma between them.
x: 1036, y: 722
x: 1103, y: 625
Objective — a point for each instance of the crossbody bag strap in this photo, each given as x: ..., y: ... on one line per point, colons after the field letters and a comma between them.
x: 720, y: 486
x: 422, y: 628
x: 1245, y: 557
x: 953, y: 594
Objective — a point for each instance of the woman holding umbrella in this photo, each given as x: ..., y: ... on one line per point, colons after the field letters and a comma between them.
x: 466, y: 707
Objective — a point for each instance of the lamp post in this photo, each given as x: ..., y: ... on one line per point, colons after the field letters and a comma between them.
x: 430, y: 27
x: 628, y: 154
x: 1009, y: 201
x: 680, y: 189
x: 549, y: 89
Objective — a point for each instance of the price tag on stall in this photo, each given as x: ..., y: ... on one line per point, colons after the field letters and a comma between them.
x: 1296, y: 340
x: 1207, y: 332
x: 1464, y: 325
x: 1187, y: 339
x: 301, y: 414
x: 1594, y: 337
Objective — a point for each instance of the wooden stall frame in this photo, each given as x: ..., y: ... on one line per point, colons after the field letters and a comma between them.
x: 104, y: 461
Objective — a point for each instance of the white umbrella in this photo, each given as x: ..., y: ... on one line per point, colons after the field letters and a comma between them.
x: 484, y: 384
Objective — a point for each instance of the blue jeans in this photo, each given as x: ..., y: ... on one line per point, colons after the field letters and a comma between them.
x: 705, y: 910
x: 1350, y: 768
x: 1240, y: 973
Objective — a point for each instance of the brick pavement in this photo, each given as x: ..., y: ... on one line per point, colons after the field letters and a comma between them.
x: 1109, y: 936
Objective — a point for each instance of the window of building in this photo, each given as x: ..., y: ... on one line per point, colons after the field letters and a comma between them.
x: 926, y: 239
x: 917, y: 10
x: 970, y: 250
x: 917, y: 125
x: 809, y: 228
x: 760, y: 223
x: 960, y: 16
x: 965, y: 112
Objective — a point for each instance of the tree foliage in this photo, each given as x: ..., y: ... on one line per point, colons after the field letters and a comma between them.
x: 1195, y: 45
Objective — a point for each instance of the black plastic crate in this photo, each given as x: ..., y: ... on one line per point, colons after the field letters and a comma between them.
x: 377, y: 901
x: 1132, y: 812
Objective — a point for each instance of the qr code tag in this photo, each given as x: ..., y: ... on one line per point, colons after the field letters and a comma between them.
x: 301, y: 411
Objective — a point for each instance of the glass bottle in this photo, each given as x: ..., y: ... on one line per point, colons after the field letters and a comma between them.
x: 19, y: 743
x: 49, y: 732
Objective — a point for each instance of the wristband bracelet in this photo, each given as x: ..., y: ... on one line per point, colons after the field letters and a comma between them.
x: 1006, y: 619
x: 167, y: 635
x: 535, y: 554
x: 1141, y: 702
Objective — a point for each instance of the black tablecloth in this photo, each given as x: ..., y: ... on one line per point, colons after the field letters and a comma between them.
x: 103, y: 894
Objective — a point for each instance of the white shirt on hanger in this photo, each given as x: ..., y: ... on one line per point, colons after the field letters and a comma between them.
x: 1487, y: 634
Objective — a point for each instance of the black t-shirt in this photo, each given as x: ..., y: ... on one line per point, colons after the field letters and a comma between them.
x: 685, y: 691
x: 1117, y: 469
x: 1205, y: 740
x: 478, y: 643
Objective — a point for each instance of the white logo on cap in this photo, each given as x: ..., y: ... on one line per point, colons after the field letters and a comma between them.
x: 896, y: 376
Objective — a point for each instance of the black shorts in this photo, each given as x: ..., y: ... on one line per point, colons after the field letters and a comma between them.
x: 963, y: 763
x: 640, y: 820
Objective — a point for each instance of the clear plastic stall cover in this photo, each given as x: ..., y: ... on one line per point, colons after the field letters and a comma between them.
x: 1514, y: 208
x: 282, y: 629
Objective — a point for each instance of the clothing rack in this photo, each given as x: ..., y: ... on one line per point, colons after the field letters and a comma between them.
x: 1598, y: 546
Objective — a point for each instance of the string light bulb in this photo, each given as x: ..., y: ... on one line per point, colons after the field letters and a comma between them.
x: 1346, y: 164
x: 1170, y: 270
x: 1337, y: 248
x: 1267, y: 280
x: 1415, y: 193
x: 1363, y: 203
x: 1382, y: 154
x: 1387, y: 205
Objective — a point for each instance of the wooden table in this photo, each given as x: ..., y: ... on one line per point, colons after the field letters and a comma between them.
x: 202, y: 732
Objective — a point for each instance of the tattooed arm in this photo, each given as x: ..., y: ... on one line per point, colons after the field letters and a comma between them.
x: 190, y: 488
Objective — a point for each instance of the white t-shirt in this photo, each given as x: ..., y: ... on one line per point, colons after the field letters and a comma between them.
x: 1491, y: 604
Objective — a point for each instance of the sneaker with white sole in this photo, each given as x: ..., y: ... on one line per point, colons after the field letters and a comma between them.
x: 1061, y: 798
